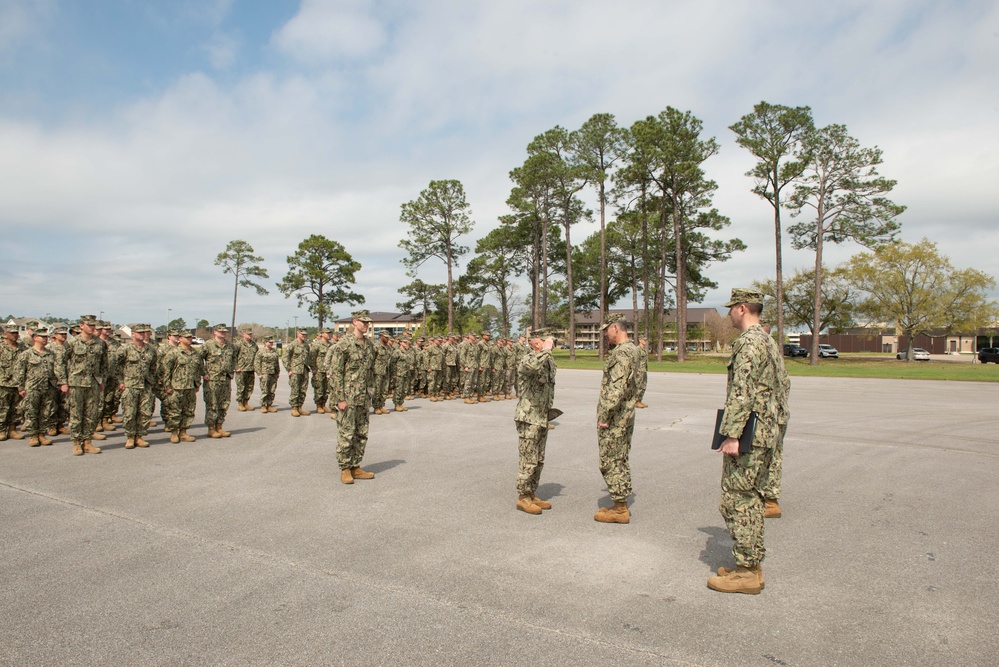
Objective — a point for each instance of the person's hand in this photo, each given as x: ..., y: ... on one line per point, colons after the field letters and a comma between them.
x: 342, y: 405
x: 121, y: 385
x: 22, y: 393
x: 169, y: 392
x: 549, y: 344
x: 64, y: 388
x: 602, y: 425
x: 730, y: 447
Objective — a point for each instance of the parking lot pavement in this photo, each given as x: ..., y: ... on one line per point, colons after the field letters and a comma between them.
x: 248, y: 550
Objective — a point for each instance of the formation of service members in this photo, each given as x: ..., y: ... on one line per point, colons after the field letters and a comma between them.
x: 47, y: 381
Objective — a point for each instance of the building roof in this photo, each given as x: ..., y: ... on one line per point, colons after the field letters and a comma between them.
x: 631, y: 315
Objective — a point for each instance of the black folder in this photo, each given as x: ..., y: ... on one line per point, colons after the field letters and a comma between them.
x: 745, y: 440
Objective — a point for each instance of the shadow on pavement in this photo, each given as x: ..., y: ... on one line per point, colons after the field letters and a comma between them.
x: 549, y: 490
x: 382, y: 466
x: 718, y: 549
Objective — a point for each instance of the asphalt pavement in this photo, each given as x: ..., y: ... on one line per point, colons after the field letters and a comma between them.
x: 249, y: 550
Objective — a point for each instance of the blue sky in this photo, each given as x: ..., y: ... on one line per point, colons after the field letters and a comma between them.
x: 138, y: 138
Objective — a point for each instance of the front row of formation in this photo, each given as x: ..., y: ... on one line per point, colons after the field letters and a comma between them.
x: 83, y: 380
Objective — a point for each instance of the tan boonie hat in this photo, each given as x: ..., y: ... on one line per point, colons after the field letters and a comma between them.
x: 361, y: 316
x: 744, y: 295
x: 613, y: 318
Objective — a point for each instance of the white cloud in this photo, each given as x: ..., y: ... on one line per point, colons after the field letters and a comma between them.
x: 325, y: 30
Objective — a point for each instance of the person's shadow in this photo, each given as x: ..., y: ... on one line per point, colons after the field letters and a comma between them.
x: 549, y: 490
x: 718, y: 547
x: 382, y: 466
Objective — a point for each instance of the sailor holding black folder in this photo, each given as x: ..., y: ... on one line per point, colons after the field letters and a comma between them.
x: 757, y: 382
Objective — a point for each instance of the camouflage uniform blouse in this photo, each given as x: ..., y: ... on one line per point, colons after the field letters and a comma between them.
x: 135, y: 367
x: 618, y: 387
x: 351, y: 372
x: 536, y: 377
x: 35, y: 370
x: 757, y: 380
x: 183, y: 370
x: 86, y: 363
x: 219, y: 360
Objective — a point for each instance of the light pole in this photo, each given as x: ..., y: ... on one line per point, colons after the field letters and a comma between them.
x: 169, y: 317
x: 101, y: 316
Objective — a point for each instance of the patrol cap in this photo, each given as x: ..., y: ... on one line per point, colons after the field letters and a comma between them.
x: 185, y: 334
x: 103, y: 324
x: 268, y: 339
x: 41, y: 331
x: 88, y: 319
x: 32, y: 324
x: 75, y: 330
x: 303, y: 331
x: 486, y: 333
x: 59, y: 330
x: 221, y: 327
x: 612, y: 318
x: 326, y: 330
x: 744, y: 295
x: 10, y: 328
x: 174, y: 332
x: 361, y: 316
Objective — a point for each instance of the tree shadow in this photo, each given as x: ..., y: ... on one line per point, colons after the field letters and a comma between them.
x: 549, y: 490
x: 718, y: 547
x: 382, y: 466
x: 253, y: 429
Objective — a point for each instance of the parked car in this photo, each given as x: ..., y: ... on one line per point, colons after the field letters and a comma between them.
x: 791, y: 350
x: 918, y: 354
x: 987, y: 354
x: 827, y: 351
x: 197, y: 341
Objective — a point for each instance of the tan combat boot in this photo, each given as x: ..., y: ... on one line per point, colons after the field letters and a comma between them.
x: 484, y: 399
x: 295, y: 412
x: 346, y: 477
x: 249, y: 408
x: 526, y: 504
x: 130, y: 443
x: 241, y: 407
x: 52, y: 430
x: 223, y: 434
x: 89, y: 448
x: 771, y: 510
x: 360, y: 473
x: 740, y: 580
x: 212, y: 433
x: 617, y: 514
x: 499, y: 397
x: 100, y: 427
x: 14, y: 435
x: 271, y: 408
x: 63, y: 430
x: 98, y: 436
x: 639, y: 404
x: 139, y: 442
x: 117, y: 420
x: 108, y: 425
x: 724, y: 572
x: 175, y: 437
x: 45, y: 441
x: 184, y: 437
x: 543, y: 504
x: 303, y: 412
x: 4, y: 434
x: 77, y: 448
x: 320, y: 410
x: 470, y: 401
x: 33, y: 441
x: 401, y: 408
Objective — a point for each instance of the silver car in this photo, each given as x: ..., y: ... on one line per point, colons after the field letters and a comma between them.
x: 828, y: 351
x: 918, y: 354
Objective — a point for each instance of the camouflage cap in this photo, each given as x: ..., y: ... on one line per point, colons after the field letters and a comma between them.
x: 221, y: 327
x: 10, y: 328
x: 139, y: 328
x: 612, y: 318
x: 744, y: 295
x: 325, y: 330
x: 302, y: 331
x: 103, y: 324
x: 88, y: 319
x: 59, y: 330
x: 32, y: 324
x: 361, y: 316
x: 175, y: 332
x: 185, y: 334
x: 486, y: 333
x: 41, y: 331
x: 268, y: 339
x: 75, y: 330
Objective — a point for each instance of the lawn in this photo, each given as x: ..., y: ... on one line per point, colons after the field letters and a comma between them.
x: 848, y: 365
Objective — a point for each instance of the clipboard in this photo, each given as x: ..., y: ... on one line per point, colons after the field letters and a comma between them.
x: 745, y: 440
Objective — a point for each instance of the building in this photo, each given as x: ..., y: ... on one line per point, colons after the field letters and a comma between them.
x: 394, y: 323
x: 886, y: 339
x: 588, y: 327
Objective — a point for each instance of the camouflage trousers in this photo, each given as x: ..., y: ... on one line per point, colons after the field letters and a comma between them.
x: 59, y: 414
x: 401, y: 383
x: 468, y: 383
x: 244, y: 386
x: 511, y: 379
x: 84, y: 408
x: 217, y: 393
x: 614, y: 446
x: 8, y: 407
x: 485, y: 381
x: 379, y: 390
x: 268, y: 385
x: 37, y: 406
x: 149, y: 403
x: 320, y: 389
x: 351, y: 435
x: 771, y: 490
x: 642, y: 385
x: 450, y: 379
x: 298, y: 383
x: 743, y: 479
x: 533, y: 439
x: 136, y: 410
x: 434, y: 378
x: 182, y: 404
x: 498, y: 380
x: 166, y: 407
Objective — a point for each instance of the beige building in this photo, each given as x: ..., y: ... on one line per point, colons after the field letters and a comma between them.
x: 394, y: 323
x: 588, y: 327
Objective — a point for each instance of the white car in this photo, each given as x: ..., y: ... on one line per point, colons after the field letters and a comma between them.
x: 828, y: 351
x: 918, y: 354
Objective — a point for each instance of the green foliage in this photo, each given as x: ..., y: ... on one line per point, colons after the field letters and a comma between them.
x: 916, y: 288
x: 177, y: 323
x: 320, y: 274
x: 839, y: 298
x: 239, y: 260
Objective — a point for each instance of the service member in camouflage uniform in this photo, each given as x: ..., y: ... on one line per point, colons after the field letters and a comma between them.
x: 351, y: 374
x: 616, y: 418
x: 83, y: 376
x: 9, y: 350
x: 111, y: 399
x: 643, y: 371
x: 135, y: 371
x: 267, y: 366
x: 401, y: 365
x: 220, y: 363
x: 499, y: 370
x: 246, y: 352
x: 757, y: 382
x: 60, y: 406
x: 183, y: 370
x: 467, y: 363
x: 35, y: 370
x: 537, y: 377
x: 296, y: 362
x: 485, y: 357
x: 383, y: 359
x: 165, y: 349
x: 320, y: 380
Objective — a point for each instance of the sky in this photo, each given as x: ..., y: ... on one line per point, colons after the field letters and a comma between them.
x: 138, y: 138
